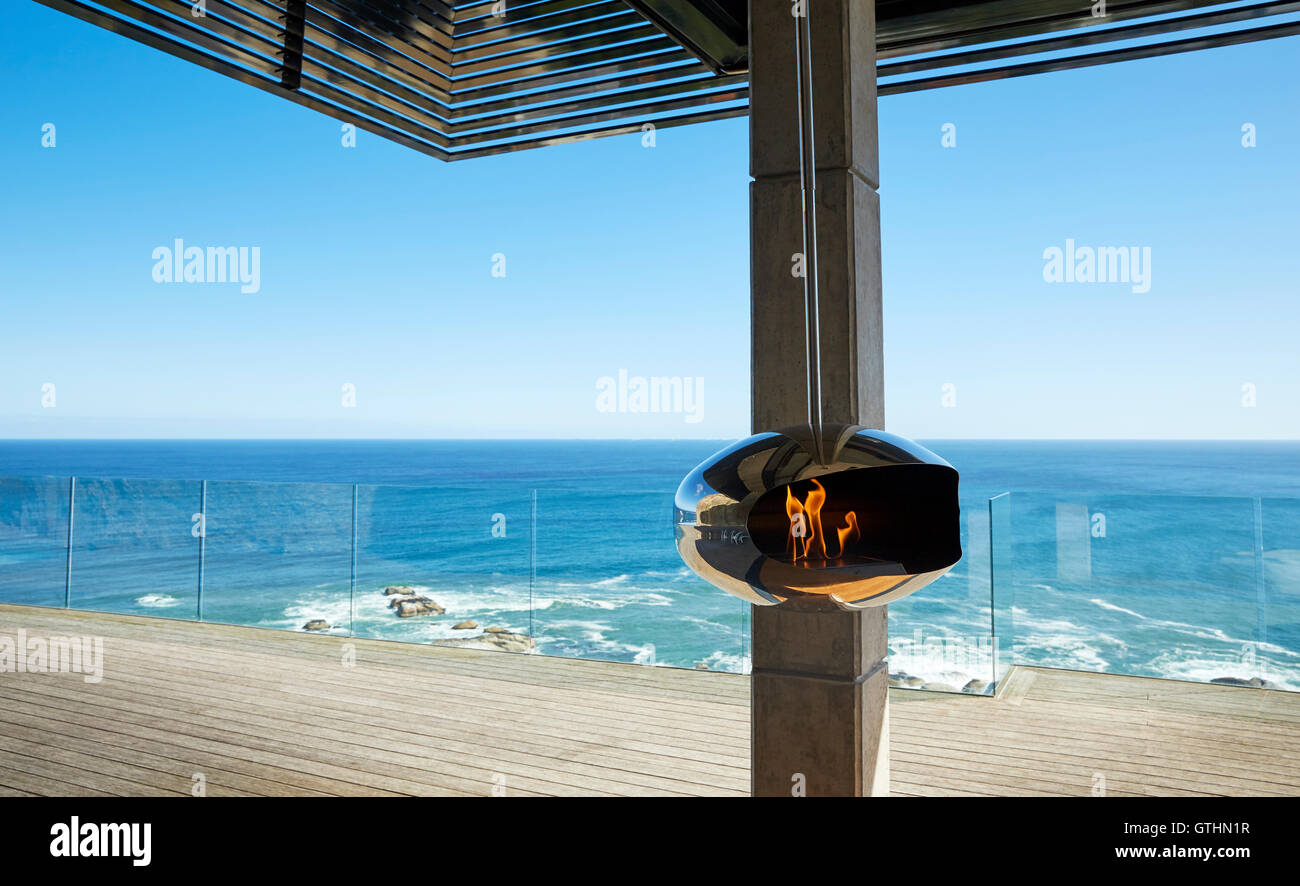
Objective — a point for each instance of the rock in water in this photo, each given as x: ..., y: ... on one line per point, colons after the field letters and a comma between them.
x: 509, y: 642
x: 467, y: 625
x: 403, y: 590
x: 977, y: 687
x: 407, y: 607
x: 939, y: 687
x: 499, y: 640
x: 496, y: 630
x: 316, y: 624
x: 1253, y: 682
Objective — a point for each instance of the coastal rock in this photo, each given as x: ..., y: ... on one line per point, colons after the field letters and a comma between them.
x: 467, y: 625
x: 977, y: 687
x: 403, y: 590
x: 510, y: 642
x: 316, y: 624
x: 498, y: 640
x: 1253, y: 682
x: 939, y: 687
x: 912, y: 682
x: 408, y: 607
x: 701, y: 666
x: 495, y: 630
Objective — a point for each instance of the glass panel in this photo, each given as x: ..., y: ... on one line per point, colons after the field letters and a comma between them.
x: 941, y: 637
x: 1277, y: 643
x: 1002, y: 588
x: 611, y: 586
x: 447, y: 566
x: 135, y: 546
x: 278, y: 555
x: 1157, y: 586
x: 1191, y: 588
x: 33, y: 540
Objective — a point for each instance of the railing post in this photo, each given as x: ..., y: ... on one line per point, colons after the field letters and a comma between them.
x: 1261, y: 589
x: 532, y: 559
x: 745, y: 652
x: 352, y: 578
x: 203, y: 541
x: 993, y: 599
x: 72, y: 510
x: 999, y: 525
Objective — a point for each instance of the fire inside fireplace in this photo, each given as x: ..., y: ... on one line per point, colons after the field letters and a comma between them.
x: 807, y: 537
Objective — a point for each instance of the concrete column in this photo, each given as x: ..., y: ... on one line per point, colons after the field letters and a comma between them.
x: 820, y: 714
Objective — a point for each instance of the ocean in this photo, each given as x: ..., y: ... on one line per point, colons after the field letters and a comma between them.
x: 1165, y: 559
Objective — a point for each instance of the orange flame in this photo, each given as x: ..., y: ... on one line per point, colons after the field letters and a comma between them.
x: 850, y: 530
x: 806, y: 534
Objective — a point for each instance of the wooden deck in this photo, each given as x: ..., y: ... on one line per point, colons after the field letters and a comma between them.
x: 258, y: 712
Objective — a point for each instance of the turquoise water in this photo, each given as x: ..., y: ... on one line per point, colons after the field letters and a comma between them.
x: 1195, y: 573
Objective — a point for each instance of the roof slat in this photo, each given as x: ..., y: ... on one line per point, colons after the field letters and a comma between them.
x: 470, y: 78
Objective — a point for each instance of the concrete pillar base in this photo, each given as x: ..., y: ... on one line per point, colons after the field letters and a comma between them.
x: 820, y: 704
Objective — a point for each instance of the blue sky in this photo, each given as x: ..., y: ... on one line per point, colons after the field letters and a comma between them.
x: 376, y: 260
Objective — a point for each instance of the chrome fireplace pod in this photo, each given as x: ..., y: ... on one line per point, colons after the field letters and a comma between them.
x: 765, y: 520
x: 826, y: 515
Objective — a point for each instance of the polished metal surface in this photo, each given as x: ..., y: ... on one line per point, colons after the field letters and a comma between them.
x: 457, y: 79
x: 735, y: 517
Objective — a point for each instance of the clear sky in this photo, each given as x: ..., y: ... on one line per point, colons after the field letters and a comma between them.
x: 376, y: 261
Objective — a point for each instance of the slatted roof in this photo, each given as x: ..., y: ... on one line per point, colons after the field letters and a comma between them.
x: 467, y: 78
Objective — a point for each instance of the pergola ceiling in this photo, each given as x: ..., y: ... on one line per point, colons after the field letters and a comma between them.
x: 457, y: 79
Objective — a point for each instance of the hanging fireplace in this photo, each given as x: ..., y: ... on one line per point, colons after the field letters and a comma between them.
x: 826, y: 515
x: 873, y: 520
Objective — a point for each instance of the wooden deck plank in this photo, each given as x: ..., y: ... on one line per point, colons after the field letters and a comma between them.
x: 25, y: 783
x: 454, y: 756
x: 676, y: 685
x: 484, y: 696
x: 1150, y: 741
x: 172, y: 760
x: 498, y: 728
x: 277, y: 713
